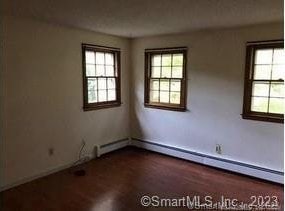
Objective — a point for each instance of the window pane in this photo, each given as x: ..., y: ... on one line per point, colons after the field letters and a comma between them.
x: 259, y: 104
x: 263, y: 56
x: 110, y: 70
x: 166, y: 72
x: 164, y: 85
x: 175, y: 85
x: 155, y: 73
x: 111, y: 94
x: 165, y: 79
x: 279, y: 56
x: 111, y: 83
x: 154, y: 84
x: 276, y: 105
x: 177, y: 72
x: 100, y: 70
x: 154, y: 95
x: 90, y: 70
x: 164, y: 97
x: 175, y: 97
x: 102, y: 83
x: 109, y: 59
x: 277, y: 90
x: 260, y: 89
x: 92, y: 96
x: 102, y: 95
x: 177, y: 60
x: 156, y: 60
x: 278, y: 72
x: 90, y: 57
x: 92, y: 84
x: 262, y: 72
x: 166, y: 60
x: 100, y: 58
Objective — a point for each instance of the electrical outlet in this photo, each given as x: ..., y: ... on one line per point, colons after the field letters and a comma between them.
x: 51, y: 151
x: 218, y: 149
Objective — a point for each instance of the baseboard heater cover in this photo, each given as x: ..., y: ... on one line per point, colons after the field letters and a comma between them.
x: 109, y: 147
x: 230, y: 165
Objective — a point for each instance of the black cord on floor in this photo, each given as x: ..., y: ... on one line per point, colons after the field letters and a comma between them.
x: 80, y: 171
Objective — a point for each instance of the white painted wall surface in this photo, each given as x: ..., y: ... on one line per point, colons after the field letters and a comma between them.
x: 43, y: 98
x: 215, y: 71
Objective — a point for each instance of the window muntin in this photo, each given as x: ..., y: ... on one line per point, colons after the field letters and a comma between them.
x: 165, y: 78
x: 264, y: 83
x: 101, y: 71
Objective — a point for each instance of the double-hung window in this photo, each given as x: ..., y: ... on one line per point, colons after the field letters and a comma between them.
x: 101, y: 77
x: 165, y: 78
x: 264, y: 81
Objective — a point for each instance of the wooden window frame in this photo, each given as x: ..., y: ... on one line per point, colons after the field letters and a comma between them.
x: 183, y: 93
x: 249, y: 78
x: 117, y: 65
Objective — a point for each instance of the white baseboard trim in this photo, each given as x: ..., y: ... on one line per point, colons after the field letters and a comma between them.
x: 230, y: 165
x: 99, y: 150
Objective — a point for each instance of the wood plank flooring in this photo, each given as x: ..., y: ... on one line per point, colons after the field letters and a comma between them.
x: 117, y: 181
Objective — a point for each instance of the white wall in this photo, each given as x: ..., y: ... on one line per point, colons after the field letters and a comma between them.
x: 215, y: 69
x: 43, y: 98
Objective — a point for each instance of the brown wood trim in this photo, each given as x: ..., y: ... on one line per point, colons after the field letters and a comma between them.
x: 165, y: 107
x: 118, y: 84
x: 146, y: 82
x: 184, y: 82
x: 117, y: 57
x: 265, y: 42
x: 163, y: 50
x: 247, y: 85
x: 251, y: 47
x: 259, y: 117
x: 183, y: 93
x: 100, y: 47
x: 101, y: 106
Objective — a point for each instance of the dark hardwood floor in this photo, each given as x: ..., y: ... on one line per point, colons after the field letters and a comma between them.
x: 117, y: 181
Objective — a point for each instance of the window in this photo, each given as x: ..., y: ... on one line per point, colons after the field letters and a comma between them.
x: 101, y: 77
x: 165, y: 78
x: 264, y: 81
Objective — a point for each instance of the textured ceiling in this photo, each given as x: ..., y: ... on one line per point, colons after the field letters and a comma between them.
x: 136, y: 18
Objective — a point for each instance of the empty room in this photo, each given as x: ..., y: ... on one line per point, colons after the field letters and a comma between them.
x: 142, y: 105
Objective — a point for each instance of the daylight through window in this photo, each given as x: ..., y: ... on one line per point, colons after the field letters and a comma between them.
x: 101, y: 77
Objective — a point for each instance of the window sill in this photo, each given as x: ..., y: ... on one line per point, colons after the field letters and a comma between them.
x: 101, y: 106
x: 260, y: 117
x: 165, y: 107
